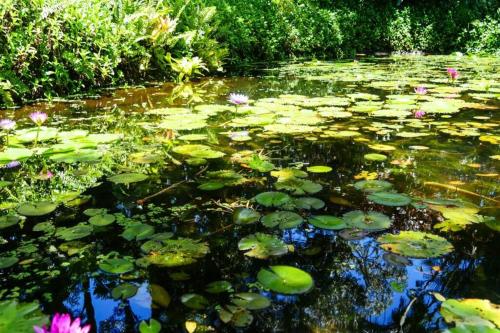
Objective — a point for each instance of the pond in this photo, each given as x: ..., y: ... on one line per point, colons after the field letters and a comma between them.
x: 341, y: 197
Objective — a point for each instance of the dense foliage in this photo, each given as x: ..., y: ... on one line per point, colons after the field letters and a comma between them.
x: 63, y: 47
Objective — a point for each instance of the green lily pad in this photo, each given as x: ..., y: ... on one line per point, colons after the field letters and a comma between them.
x: 415, y: 244
x: 138, y: 231
x: 159, y: 295
x: 258, y: 163
x: 309, y: 203
x: 194, y: 301
x: 367, y: 221
x: 245, y: 216
x: 262, y: 246
x: 375, y: 157
x: 153, y: 326
x: 298, y: 186
x: 282, y: 219
x: 210, y: 186
x: 389, y: 199
x: 20, y: 317
x: 95, y: 211
x: 319, y: 169
x: 285, y: 279
x: 36, y: 208
x: 218, y: 287
x: 15, y: 154
x: 102, y: 220
x: 83, y: 155
x: 127, y: 178
x: 124, y: 291
x: 327, y: 222
x: 72, y: 233
x: 272, y: 199
x: 116, y: 265
x: 474, y: 312
x: 197, y: 151
x: 373, y: 185
x: 177, y: 252
x: 235, y: 315
x: 251, y: 301
x: 6, y: 262
x: 8, y: 221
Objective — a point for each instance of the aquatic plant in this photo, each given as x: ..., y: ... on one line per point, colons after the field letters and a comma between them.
x: 420, y: 90
x: 38, y: 118
x: 452, y: 73
x: 61, y: 323
x: 419, y: 114
x: 7, y: 125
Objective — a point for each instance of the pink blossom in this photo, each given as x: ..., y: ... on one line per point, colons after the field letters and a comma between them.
x: 419, y: 114
x: 420, y: 90
x: 238, y: 99
x: 453, y: 73
x: 61, y: 323
x: 38, y: 117
x: 7, y: 124
x: 46, y: 175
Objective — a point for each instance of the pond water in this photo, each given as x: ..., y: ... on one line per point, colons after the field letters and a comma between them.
x: 327, y: 204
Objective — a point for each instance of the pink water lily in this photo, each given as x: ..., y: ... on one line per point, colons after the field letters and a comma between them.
x: 452, y: 73
x: 7, y: 124
x: 420, y: 90
x: 419, y: 114
x: 238, y: 99
x: 61, y: 323
x: 45, y: 175
x: 38, y: 117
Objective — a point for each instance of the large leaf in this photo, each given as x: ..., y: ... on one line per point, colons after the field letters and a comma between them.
x: 177, y: 252
x: 367, y: 221
x: 272, y: 199
x: 415, y: 244
x: 262, y: 246
x: 36, y: 208
x: 285, y: 279
x: 389, y: 199
x: 282, y: 219
x: 20, y: 317
x: 327, y: 222
x: 473, y: 312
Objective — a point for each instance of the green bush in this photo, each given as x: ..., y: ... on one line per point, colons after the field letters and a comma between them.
x: 483, y: 36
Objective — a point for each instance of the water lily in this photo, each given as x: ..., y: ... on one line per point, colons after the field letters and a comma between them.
x: 45, y: 175
x: 419, y: 114
x: 12, y: 165
x: 61, y: 323
x: 420, y: 90
x: 7, y: 124
x: 38, y: 117
x: 238, y: 99
x: 452, y: 73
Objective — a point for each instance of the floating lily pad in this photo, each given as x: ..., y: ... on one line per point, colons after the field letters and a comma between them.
x: 272, y: 199
x: 6, y: 262
x: 251, y: 301
x: 211, y: 186
x: 153, y: 326
x: 116, y: 265
x: 327, y: 222
x: 415, y: 244
x: 102, y: 220
x: 373, y: 185
x: 15, y: 154
x: 260, y: 164
x: 197, y: 151
x: 396, y: 259
x: 353, y: 234
x: 83, y: 155
x: 309, y: 203
x: 72, y: 233
x: 298, y: 186
x: 36, y: 208
x: 138, y: 231
x: 285, y: 279
x: 282, y: 219
x: 218, y: 287
x: 159, y: 295
x: 474, y: 312
x: 20, y: 317
x: 389, y: 199
x: 319, y: 169
x: 8, y: 221
x: 194, y: 301
x: 245, y: 216
x: 95, y: 211
x: 366, y: 221
x: 128, y: 178
x: 262, y: 246
x: 375, y: 157
x: 124, y: 291
x: 177, y: 252
x: 235, y: 315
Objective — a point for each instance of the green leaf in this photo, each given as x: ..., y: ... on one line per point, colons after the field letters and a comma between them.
x: 262, y: 246
x: 251, y: 301
x: 177, y: 252
x: 15, y: 154
x: 20, y: 317
x: 285, y: 279
x: 152, y: 327
x: 319, y: 169
x: 8, y: 221
x: 415, y: 244
x: 473, y: 312
x: 245, y: 216
x: 282, y: 219
x: 218, y: 287
x: 124, y: 291
x: 36, y: 208
x: 309, y: 203
x: 72, y: 233
x: 194, y: 301
x: 102, y: 220
x: 272, y: 199
x: 116, y: 265
x: 138, y: 231
x: 6, y: 262
x: 327, y: 222
x: 389, y: 199
x: 367, y: 221
x: 373, y: 185
x: 128, y: 178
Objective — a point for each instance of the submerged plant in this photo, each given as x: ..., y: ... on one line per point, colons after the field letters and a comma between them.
x: 61, y: 323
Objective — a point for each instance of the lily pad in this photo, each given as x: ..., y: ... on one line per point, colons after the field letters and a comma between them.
x: 309, y: 203
x: 474, y: 312
x: 272, y: 199
x: 218, y: 287
x: 6, y: 262
x: 282, y: 219
x: 319, y: 169
x: 245, y: 216
x: 389, y: 199
x: 194, y: 301
x: 262, y: 246
x: 36, y: 208
x: 285, y: 279
x: 138, y: 231
x: 8, y: 221
x: 128, y: 178
x: 124, y: 291
x: 20, y: 317
x: 327, y: 222
x: 367, y: 221
x: 298, y: 186
x: 375, y: 157
x: 251, y: 301
x: 373, y: 185
x: 235, y: 315
x: 15, y: 154
x: 116, y: 265
x: 177, y: 252
x: 102, y: 220
x: 72, y: 233
x: 415, y: 244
